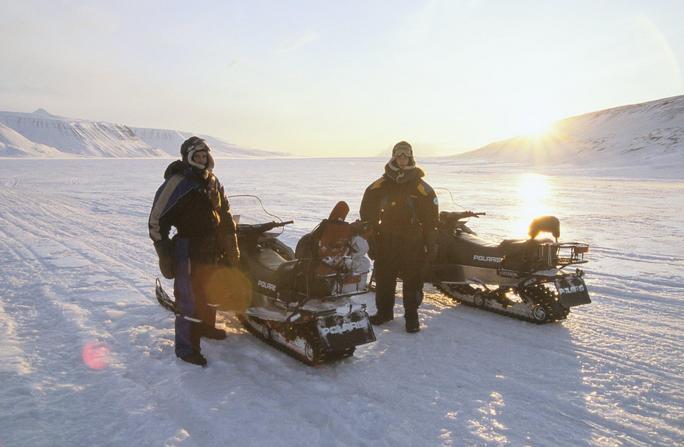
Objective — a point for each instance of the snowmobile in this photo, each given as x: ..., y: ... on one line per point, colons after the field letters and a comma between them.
x: 519, y: 278
x: 303, y: 306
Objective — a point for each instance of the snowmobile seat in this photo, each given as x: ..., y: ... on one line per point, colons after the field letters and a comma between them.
x: 513, y: 246
x: 270, y: 259
x: 278, y: 276
x: 482, y: 246
x: 509, y: 245
x: 469, y: 249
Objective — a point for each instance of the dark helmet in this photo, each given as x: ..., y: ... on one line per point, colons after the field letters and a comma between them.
x: 193, y: 145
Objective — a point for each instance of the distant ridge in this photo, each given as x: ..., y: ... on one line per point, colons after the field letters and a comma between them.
x: 649, y: 133
x: 170, y: 141
x: 46, y: 135
x: 45, y: 113
x: 13, y: 144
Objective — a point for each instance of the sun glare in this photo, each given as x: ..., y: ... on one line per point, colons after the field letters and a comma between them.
x: 533, y: 192
x: 538, y: 128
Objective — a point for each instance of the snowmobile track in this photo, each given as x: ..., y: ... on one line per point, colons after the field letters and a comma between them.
x: 537, y: 294
x: 319, y: 355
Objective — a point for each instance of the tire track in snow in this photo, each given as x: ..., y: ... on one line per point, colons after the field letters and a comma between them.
x: 74, y: 240
x: 47, y: 295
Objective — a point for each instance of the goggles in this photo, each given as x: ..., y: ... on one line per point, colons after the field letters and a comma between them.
x: 201, y: 146
x: 402, y: 151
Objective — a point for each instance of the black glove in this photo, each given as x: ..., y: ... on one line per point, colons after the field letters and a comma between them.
x: 167, y: 261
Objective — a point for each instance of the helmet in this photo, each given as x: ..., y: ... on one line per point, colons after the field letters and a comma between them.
x: 190, y: 147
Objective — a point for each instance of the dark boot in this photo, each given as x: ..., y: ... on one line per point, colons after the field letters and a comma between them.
x: 378, y: 319
x: 412, y: 325
x: 212, y: 332
x: 195, y: 358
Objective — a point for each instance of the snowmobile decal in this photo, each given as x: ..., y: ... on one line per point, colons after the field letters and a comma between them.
x: 493, y: 259
x: 345, y: 327
x: 571, y: 289
x: 266, y: 285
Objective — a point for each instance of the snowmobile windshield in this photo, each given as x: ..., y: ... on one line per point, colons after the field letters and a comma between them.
x: 249, y: 209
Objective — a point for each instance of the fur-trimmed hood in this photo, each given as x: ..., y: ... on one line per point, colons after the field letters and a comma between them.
x: 394, y: 173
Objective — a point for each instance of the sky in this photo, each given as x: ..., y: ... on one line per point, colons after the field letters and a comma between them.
x: 351, y: 78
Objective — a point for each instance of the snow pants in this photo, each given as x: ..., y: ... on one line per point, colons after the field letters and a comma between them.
x: 193, y: 309
x: 399, y: 256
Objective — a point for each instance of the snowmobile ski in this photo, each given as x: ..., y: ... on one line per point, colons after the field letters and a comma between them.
x: 163, y: 298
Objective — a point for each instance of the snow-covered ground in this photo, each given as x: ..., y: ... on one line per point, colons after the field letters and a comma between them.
x: 86, y: 356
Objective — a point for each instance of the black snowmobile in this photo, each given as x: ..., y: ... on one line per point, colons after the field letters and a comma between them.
x: 519, y: 278
x: 302, y: 306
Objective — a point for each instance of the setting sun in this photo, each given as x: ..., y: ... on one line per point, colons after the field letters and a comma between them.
x: 538, y: 128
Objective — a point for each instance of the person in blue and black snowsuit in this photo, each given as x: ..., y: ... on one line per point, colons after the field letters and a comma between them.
x: 402, y: 210
x: 192, y: 200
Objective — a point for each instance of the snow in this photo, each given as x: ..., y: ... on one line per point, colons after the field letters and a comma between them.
x: 87, y: 354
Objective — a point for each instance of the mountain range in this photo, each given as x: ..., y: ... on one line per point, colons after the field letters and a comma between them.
x: 41, y: 134
x: 649, y: 134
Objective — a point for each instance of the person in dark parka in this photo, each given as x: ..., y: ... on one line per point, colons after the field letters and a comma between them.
x: 403, y: 212
x: 192, y: 200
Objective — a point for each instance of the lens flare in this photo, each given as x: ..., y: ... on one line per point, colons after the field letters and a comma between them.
x: 95, y: 355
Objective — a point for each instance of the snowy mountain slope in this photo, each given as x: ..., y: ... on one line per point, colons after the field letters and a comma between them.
x: 170, y: 141
x: 79, y: 137
x: 13, y: 144
x: 650, y: 133
x: 87, y: 354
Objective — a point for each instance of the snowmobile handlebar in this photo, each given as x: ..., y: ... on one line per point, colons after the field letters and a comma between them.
x: 458, y: 215
x: 474, y: 214
x: 261, y: 228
